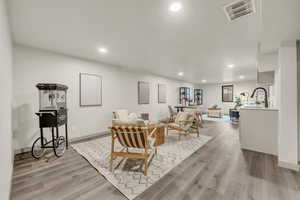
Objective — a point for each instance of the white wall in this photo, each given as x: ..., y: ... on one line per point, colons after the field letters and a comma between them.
x: 288, y: 113
x: 212, y: 93
x: 268, y: 62
x: 6, y: 155
x: 275, y: 89
x: 119, y: 91
x: 298, y: 85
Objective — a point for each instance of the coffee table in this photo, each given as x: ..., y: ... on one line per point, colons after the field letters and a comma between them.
x: 215, y: 112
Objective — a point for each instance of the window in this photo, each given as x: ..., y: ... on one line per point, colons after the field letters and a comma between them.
x: 227, y: 93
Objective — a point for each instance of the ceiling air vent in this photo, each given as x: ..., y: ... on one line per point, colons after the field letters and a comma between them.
x: 239, y: 9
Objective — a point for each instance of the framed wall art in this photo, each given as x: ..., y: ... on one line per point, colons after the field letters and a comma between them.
x: 90, y: 89
x: 143, y: 92
x: 227, y: 93
x: 162, y: 93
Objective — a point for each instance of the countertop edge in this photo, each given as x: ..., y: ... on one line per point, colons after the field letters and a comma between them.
x: 261, y: 109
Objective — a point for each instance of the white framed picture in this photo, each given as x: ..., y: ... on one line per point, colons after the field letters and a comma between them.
x: 162, y: 93
x: 90, y: 89
x: 143, y: 92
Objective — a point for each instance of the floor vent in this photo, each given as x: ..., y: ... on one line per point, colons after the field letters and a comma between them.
x: 239, y: 9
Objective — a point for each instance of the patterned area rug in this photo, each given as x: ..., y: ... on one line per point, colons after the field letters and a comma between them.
x: 128, y: 178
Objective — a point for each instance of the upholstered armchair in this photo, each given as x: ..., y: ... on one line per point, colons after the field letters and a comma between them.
x: 172, y: 114
x: 122, y: 117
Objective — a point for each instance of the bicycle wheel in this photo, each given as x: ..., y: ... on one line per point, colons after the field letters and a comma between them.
x: 37, y: 151
x: 60, y: 146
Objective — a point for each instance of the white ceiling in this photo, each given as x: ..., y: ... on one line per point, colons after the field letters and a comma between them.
x: 144, y: 35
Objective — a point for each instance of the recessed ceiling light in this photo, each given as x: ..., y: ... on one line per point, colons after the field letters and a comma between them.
x: 230, y: 66
x: 204, y: 81
x: 175, y: 7
x: 102, y: 50
x: 180, y: 73
x: 242, y: 77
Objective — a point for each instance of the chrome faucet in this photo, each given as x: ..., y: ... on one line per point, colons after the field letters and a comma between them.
x: 266, y: 95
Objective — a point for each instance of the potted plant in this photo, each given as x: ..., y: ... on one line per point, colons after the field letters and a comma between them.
x: 237, y: 102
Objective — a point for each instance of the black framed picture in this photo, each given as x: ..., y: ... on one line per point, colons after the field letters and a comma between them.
x: 227, y: 93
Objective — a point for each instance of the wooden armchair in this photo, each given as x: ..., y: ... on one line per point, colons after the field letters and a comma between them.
x: 133, y: 137
x: 185, y: 123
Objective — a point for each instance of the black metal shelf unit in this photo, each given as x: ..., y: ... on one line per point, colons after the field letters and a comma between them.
x: 185, y: 96
x: 198, y: 96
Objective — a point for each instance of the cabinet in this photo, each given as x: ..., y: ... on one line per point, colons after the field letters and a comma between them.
x: 259, y: 129
x: 266, y: 78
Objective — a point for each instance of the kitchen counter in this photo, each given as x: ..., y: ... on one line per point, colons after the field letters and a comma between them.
x: 259, y: 108
x: 259, y: 129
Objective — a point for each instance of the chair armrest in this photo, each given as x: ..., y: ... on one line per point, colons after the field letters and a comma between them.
x: 151, y: 139
x: 152, y: 132
x: 186, y: 121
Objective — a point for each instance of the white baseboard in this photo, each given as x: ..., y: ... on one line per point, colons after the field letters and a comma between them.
x: 287, y: 165
x: 22, y: 150
x: 87, y: 137
x: 72, y: 140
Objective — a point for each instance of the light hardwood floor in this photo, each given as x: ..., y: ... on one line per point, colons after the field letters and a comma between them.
x: 219, y: 170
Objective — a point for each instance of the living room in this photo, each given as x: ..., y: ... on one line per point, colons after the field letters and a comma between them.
x: 150, y: 99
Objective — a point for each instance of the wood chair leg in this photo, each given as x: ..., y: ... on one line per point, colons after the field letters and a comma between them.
x: 111, y: 162
x: 155, y: 150
x: 112, y: 150
x: 146, y: 166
